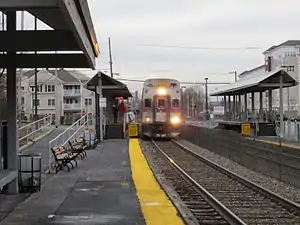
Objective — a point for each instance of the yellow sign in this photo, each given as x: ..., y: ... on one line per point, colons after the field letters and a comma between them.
x: 246, y: 129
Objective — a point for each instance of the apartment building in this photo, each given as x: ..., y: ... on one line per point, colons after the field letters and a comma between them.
x: 286, y: 56
x: 59, y: 93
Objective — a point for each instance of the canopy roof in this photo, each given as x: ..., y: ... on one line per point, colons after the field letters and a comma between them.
x: 110, y: 86
x: 262, y: 82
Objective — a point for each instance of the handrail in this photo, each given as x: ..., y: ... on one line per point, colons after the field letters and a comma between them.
x: 34, y: 128
x: 62, y: 139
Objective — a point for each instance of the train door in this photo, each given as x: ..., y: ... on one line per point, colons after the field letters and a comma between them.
x: 161, y: 108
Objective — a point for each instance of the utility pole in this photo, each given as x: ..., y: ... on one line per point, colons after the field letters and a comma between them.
x: 35, y: 80
x: 110, y: 58
x: 206, y: 99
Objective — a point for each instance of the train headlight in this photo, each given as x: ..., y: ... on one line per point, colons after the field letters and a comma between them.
x: 147, y: 119
x: 161, y: 91
x: 175, y: 120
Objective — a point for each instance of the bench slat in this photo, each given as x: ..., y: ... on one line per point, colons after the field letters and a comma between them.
x: 7, y: 176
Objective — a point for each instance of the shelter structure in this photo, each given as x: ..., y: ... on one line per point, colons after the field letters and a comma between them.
x: 236, y: 113
x: 72, y: 31
x: 105, y: 86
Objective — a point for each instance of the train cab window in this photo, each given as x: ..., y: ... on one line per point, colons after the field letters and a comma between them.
x: 147, y: 102
x: 175, y: 103
x: 161, y: 103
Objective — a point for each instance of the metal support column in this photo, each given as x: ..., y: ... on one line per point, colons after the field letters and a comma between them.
x: 270, y: 104
x: 253, y: 103
x: 100, y: 111
x: 97, y: 126
x: 12, y: 128
x: 229, y: 108
x: 261, y: 107
x: 281, y: 105
x: 246, y: 107
x: 239, y: 106
x: 234, y: 108
x: 225, y: 108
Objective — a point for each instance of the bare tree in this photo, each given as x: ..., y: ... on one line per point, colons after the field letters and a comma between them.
x: 193, y: 99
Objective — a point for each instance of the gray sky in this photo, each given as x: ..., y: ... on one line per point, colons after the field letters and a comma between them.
x: 191, y: 23
x: 225, y: 27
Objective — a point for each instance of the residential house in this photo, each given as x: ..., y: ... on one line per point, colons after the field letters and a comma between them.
x: 59, y: 93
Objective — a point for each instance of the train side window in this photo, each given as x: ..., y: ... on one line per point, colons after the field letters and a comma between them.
x: 147, y: 102
x: 175, y: 103
x: 161, y: 103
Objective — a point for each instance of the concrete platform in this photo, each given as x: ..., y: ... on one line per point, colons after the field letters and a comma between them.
x: 99, y: 191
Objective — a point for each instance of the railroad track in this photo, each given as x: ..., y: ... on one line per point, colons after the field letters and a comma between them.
x: 228, y: 197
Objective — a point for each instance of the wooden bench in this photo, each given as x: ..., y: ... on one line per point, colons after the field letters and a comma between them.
x: 63, y: 157
x: 7, y: 176
x: 78, y: 146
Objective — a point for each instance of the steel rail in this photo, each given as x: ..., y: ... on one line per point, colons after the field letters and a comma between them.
x: 229, y: 216
x: 270, y: 194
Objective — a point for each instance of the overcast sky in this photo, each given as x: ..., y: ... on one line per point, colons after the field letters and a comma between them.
x: 226, y: 28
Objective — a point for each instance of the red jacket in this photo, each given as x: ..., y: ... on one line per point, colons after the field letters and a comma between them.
x: 122, y: 108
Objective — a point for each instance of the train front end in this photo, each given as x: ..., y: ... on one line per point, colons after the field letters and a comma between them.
x: 161, y: 114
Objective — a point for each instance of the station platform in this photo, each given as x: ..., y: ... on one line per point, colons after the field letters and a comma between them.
x: 276, y: 141
x: 113, y: 185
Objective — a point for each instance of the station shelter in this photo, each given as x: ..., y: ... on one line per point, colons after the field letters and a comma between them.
x: 113, y: 91
x: 236, y: 95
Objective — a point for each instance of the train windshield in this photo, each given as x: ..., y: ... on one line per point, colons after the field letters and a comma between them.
x: 175, y: 103
x: 147, y: 102
x: 161, y: 103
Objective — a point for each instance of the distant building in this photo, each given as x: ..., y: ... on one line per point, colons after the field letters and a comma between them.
x: 287, y: 56
x: 66, y: 94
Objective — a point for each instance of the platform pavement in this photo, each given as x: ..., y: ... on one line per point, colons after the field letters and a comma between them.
x: 99, y: 191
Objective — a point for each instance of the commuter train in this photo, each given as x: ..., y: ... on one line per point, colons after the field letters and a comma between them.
x: 161, y: 108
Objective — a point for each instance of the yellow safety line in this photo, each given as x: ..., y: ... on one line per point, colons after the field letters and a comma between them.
x: 276, y: 143
x: 155, y: 205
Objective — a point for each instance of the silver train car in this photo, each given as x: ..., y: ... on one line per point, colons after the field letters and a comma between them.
x: 161, y: 108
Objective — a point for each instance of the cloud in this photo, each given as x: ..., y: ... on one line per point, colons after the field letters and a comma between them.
x: 215, y: 23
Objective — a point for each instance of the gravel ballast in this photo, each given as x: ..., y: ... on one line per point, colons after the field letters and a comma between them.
x: 285, y: 190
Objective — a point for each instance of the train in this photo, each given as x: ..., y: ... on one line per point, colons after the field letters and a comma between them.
x: 160, y: 112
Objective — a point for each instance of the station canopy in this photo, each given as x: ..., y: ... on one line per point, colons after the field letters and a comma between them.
x: 110, y: 86
x: 258, y: 83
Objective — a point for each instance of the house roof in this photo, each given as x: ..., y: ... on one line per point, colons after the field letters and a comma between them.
x: 65, y: 76
x: 249, y: 71
x: 262, y: 82
x: 286, y: 43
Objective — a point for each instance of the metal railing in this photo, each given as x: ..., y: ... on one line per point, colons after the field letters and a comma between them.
x: 33, y: 130
x: 74, y: 131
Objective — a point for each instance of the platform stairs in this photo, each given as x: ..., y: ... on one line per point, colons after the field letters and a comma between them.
x: 118, y: 130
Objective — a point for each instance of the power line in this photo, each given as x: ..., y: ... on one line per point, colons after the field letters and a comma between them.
x: 199, y: 47
x: 182, y: 82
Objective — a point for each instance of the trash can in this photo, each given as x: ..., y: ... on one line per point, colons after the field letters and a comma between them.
x: 29, y: 171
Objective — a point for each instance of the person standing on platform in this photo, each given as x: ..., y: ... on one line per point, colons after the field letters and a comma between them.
x: 122, y: 111
x: 115, y: 113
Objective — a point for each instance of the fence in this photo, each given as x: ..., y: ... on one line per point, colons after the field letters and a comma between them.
x: 33, y: 130
x: 74, y: 131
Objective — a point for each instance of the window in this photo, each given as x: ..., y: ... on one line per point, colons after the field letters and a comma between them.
x: 50, y: 88
x: 22, y: 88
x: 22, y: 101
x: 35, y: 103
x: 147, y: 102
x: 290, y: 69
x: 175, y: 103
x: 161, y: 103
x: 76, y: 101
x: 51, y: 102
x: 88, y: 101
